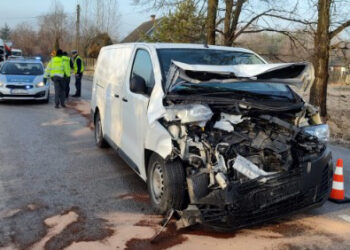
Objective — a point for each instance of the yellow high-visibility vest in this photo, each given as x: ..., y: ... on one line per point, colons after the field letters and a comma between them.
x: 76, y: 65
x: 66, y: 63
x: 55, y: 67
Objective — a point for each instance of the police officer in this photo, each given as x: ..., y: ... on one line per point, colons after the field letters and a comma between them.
x: 67, y: 64
x: 56, y: 71
x: 78, y: 66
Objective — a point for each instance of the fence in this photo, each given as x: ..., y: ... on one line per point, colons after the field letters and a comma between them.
x: 339, y: 74
x: 90, y: 63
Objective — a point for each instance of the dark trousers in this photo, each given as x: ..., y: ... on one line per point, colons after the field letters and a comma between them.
x: 60, y: 89
x: 78, y: 78
x: 67, y: 82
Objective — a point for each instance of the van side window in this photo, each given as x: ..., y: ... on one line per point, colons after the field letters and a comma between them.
x: 143, y: 67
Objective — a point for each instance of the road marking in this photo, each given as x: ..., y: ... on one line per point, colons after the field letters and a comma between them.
x: 344, y: 217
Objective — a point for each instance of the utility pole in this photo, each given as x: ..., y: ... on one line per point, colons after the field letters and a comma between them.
x: 77, y: 39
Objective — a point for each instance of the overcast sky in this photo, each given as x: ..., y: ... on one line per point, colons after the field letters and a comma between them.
x: 13, y: 12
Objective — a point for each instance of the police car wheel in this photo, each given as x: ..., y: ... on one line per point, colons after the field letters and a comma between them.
x: 99, y: 140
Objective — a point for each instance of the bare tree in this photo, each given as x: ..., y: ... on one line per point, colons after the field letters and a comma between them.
x: 25, y: 37
x: 158, y: 4
x: 328, y: 27
x: 53, y: 28
x: 102, y: 15
x: 211, y: 20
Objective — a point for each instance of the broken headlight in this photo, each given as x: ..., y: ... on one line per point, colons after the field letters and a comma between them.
x: 319, y: 131
x: 189, y: 113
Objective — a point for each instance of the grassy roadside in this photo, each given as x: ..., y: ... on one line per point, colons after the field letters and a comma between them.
x: 339, y: 113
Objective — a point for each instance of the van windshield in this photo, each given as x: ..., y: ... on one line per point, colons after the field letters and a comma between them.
x: 205, y: 57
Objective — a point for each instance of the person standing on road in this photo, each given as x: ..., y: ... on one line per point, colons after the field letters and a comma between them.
x: 78, y: 66
x: 56, y: 71
x: 67, y: 64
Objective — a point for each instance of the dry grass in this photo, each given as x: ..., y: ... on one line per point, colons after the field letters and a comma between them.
x: 339, y: 112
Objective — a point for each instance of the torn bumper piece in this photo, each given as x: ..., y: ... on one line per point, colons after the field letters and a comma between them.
x: 255, y: 202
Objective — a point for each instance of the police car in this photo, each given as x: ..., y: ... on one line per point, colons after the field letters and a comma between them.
x: 23, y: 79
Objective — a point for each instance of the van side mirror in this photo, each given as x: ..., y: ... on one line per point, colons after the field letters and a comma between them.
x: 138, y: 84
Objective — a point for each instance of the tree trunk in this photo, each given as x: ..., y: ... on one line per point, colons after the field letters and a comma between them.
x: 57, y: 44
x: 318, y: 94
x: 227, y: 22
x: 211, y: 20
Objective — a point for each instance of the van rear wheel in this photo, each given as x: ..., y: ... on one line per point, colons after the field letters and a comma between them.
x: 166, y: 184
x: 99, y: 139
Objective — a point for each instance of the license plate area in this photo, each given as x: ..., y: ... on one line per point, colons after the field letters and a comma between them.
x: 19, y: 92
x: 277, y: 194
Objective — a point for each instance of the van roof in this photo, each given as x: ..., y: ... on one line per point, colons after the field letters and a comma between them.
x: 181, y: 46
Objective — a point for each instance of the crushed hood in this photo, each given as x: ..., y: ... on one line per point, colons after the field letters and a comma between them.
x: 299, y: 75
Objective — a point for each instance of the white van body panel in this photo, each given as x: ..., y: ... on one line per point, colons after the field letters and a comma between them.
x: 108, y: 80
x: 139, y: 135
x: 158, y: 140
x: 130, y: 121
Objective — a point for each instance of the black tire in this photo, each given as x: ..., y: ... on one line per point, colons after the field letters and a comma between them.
x: 173, y: 185
x: 99, y: 138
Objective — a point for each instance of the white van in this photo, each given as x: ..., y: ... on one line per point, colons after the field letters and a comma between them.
x: 213, y: 130
x: 16, y: 53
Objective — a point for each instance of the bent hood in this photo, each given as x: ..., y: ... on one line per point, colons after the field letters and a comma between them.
x: 299, y: 75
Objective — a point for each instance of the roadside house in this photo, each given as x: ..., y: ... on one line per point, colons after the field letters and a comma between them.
x: 145, y: 29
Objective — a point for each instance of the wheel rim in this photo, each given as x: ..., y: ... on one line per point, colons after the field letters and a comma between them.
x: 98, y: 131
x: 157, y: 184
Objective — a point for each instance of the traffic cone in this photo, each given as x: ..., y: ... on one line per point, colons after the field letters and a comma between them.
x: 338, y: 193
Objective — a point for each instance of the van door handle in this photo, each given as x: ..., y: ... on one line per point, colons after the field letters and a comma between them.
x: 116, y: 95
x: 124, y: 100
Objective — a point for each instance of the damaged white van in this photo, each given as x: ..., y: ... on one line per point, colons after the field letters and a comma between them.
x: 219, y: 135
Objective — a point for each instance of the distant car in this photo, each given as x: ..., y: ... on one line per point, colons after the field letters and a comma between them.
x: 23, y: 79
x: 16, y: 53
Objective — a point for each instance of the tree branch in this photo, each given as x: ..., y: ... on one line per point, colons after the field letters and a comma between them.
x: 291, y: 19
x: 250, y: 22
x: 339, y: 29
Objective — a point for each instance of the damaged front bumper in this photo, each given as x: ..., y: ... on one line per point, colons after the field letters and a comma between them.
x: 259, y: 200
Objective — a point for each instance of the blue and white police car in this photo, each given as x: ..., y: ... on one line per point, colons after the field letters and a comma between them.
x: 23, y: 79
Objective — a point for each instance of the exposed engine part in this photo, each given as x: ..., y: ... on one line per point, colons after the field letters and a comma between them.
x: 221, y: 180
x: 219, y: 148
x: 247, y: 168
x: 227, y: 122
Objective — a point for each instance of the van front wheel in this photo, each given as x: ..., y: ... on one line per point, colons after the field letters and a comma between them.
x: 166, y: 184
x: 99, y: 140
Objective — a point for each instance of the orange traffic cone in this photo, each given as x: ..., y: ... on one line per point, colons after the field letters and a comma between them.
x: 338, y: 193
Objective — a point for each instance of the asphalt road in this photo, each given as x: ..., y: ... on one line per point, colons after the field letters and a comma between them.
x: 58, y: 190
